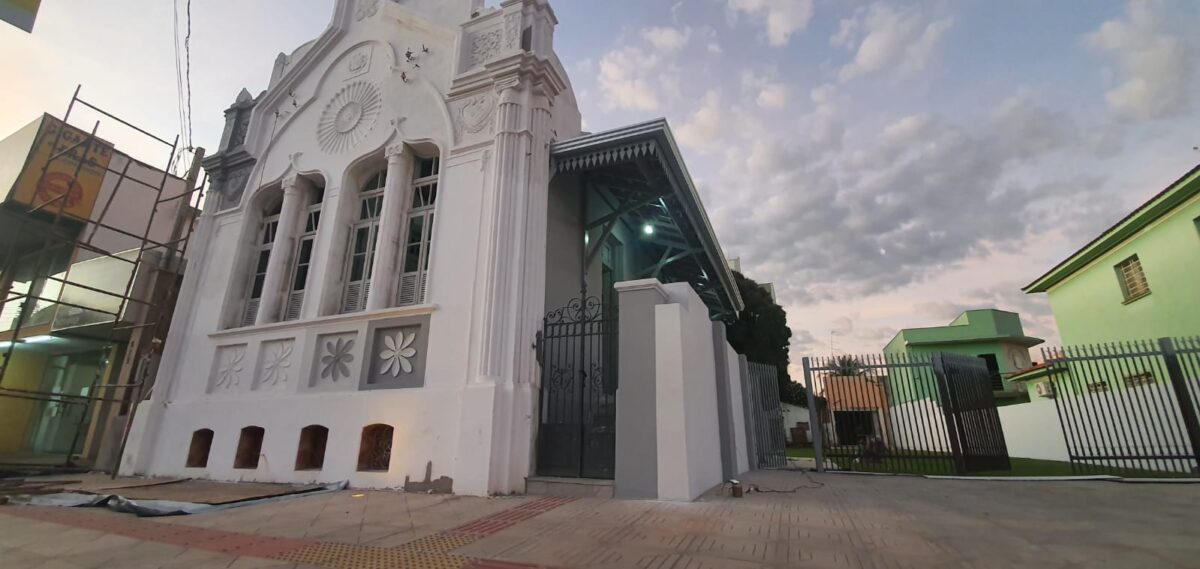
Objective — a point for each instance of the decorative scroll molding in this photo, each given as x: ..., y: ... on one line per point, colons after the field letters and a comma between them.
x: 606, y: 157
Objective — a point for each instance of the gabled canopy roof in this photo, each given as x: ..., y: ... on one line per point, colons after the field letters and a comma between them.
x: 1157, y: 207
x: 645, y: 159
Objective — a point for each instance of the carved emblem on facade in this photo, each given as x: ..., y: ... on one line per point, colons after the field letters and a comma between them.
x: 277, y: 363
x: 359, y: 61
x: 227, y: 371
x: 366, y: 9
x: 512, y: 31
x: 475, y: 115
x: 485, y: 46
x: 397, y: 353
x: 335, y: 364
x: 349, y: 117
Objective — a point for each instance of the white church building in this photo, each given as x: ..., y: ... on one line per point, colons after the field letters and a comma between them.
x: 414, y: 270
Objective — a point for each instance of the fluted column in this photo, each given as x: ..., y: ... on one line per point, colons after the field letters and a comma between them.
x: 391, y: 225
x: 507, y: 228
x: 280, y: 263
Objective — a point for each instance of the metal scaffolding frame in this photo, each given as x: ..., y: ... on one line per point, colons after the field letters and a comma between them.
x: 48, y: 222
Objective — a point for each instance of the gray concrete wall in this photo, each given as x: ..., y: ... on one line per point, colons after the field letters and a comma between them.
x: 637, y: 430
x: 725, y: 409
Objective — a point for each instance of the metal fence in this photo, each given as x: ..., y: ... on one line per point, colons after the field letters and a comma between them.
x: 768, y: 446
x: 920, y: 414
x: 1129, y: 408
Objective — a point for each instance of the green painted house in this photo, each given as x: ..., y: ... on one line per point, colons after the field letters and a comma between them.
x: 996, y: 336
x: 1138, y: 280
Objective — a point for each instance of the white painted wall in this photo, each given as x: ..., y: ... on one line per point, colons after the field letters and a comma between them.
x: 740, y: 434
x: 793, y: 414
x: 689, y: 448
x: 1032, y: 430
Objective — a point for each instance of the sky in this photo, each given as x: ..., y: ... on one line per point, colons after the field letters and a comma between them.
x: 886, y: 164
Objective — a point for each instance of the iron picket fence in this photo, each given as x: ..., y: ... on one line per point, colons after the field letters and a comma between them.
x: 899, y: 413
x: 769, y: 445
x: 1128, y: 408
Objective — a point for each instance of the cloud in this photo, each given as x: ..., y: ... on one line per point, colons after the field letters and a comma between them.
x: 782, y: 18
x: 1154, y: 66
x: 886, y: 38
x: 703, y: 130
x: 768, y: 93
x: 626, y: 79
x: 667, y: 39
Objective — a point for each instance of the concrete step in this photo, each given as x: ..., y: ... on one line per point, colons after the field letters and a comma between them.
x: 570, y: 487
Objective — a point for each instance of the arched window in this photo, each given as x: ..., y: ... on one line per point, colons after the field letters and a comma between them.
x: 198, y: 451
x: 375, y: 448
x: 262, y: 258
x: 310, y: 455
x: 418, y: 235
x: 363, y: 238
x: 249, y: 448
x: 304, y: 254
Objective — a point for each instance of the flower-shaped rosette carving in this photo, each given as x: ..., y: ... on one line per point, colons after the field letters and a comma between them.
x: 335, y: 364
x: 349, y: 117
x: 279, y: 361
x: 229, y: 370
x: 397, y: 353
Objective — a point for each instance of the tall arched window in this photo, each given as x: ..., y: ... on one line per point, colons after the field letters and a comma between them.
x: 262, y: 258
x: 418, y: 236
x: 363, y: 239
x: 304, y: 254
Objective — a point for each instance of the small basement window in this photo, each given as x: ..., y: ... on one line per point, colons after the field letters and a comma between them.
x: 311, y: 453
x: 1132, y: 279
x: 375, y: 449
x: 249, y: 448
x: 198, y: 451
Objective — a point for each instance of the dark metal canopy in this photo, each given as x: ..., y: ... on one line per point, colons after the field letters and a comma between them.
x: 638, y: 172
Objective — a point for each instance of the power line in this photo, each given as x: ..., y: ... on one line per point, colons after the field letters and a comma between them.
x: 187, y: 45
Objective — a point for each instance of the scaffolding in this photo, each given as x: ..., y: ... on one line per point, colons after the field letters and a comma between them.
x: 47, y: 230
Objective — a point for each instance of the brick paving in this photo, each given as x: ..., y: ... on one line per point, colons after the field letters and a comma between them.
x: 805, y: 521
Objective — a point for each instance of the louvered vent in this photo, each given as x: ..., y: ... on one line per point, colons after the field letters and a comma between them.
x: 408, y: 290
x: 356, y: 297
x: 251, y: 313
x: 294, y: 303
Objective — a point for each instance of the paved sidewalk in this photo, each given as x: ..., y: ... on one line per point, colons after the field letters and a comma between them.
x: 805, y: 521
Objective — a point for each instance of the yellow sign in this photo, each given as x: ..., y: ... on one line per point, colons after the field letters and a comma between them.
x: 20, y: 13
x: 54, y: 179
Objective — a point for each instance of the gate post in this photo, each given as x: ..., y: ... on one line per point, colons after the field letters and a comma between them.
x: 1186, y: 407
x: 949, y: 412
x: 815, y: 425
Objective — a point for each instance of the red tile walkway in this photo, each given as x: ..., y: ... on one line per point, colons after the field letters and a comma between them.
x: 432, y: 551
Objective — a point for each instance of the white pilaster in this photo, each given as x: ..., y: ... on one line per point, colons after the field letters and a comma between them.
x: 280, y: 263
x: 391, y: 226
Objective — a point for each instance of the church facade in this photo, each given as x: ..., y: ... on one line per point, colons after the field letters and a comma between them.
x: 388, y: 226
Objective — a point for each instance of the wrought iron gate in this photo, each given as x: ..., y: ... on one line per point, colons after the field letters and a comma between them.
x: 766, y: 413
x: 577, y: 349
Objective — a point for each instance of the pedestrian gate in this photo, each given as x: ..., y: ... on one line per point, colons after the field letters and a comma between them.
x: 577, y: 349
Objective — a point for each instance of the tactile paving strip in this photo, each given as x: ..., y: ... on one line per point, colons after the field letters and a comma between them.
x: 429, y: 552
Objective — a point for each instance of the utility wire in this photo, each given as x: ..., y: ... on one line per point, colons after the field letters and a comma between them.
x: 187, y: 45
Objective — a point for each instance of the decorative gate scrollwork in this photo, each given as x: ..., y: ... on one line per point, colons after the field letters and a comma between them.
x: 577, y: 349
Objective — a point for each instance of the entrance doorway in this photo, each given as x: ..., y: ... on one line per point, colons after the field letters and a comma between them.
x: 55, y: 424
x: 577, y: 425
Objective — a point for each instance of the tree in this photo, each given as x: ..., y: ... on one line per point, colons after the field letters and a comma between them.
x: 762, y: 335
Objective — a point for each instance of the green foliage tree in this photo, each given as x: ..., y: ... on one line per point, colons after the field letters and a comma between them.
x: 762, y: 335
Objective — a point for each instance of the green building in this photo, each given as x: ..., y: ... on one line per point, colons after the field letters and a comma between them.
x: 995, y: 336
x: 1138, y: 280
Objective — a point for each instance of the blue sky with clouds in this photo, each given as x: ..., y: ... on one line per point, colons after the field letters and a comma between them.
x: 884, y: 163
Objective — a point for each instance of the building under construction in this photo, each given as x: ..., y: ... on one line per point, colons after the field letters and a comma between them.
x: 91, y: 257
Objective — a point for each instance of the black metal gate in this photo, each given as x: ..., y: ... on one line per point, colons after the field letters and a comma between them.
x: 912, y: 414
x: 976, y: 435
x: 768, y: 444
x: 577, y: 349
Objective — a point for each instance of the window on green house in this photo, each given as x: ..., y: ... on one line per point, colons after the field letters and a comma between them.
x: 993, y: 368
x: 1132, y: 279
x: 1144, y: 378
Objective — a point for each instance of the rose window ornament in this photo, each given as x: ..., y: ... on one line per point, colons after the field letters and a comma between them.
x: 397, y: 354
x: 349, y: 117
